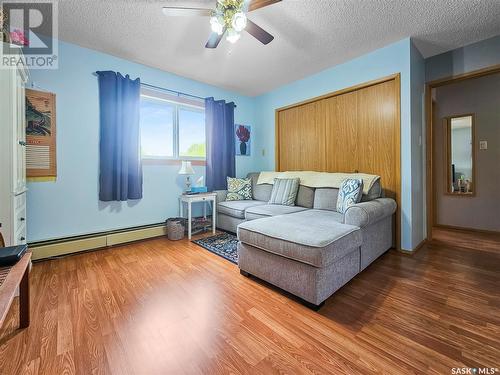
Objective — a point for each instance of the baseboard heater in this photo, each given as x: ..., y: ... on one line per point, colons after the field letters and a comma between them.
x: 75, y: 244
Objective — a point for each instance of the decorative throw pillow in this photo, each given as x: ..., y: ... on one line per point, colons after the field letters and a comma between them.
x: 284, y: 191
x: 239, y: 189
x: 350, y: 193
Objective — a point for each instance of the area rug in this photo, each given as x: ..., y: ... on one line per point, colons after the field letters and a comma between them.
x: 224, y: 245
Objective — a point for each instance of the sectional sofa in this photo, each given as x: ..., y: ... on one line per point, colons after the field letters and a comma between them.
x: 309, y: 249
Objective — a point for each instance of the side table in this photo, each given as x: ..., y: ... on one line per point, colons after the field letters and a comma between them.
x: 194, y: 198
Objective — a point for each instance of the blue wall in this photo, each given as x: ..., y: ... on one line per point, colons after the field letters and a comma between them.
x: 418, y: 193
x: 465, y: 59
x: 394, y: 58
x: 69, y: 206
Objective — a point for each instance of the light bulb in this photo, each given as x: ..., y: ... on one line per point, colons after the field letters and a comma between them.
x: 216, y: 26
x: 232, y: 36
x: 239, y: 21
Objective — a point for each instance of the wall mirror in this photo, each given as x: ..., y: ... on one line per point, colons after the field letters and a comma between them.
x: 460, y: 155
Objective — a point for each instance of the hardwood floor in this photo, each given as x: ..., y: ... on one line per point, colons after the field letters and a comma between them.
x: 160, y: 307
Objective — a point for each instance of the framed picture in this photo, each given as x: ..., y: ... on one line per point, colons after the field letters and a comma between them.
x: 40, y: 134
x: 243, y: 139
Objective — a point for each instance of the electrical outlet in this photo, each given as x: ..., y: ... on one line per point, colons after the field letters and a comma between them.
x: 483, y: 145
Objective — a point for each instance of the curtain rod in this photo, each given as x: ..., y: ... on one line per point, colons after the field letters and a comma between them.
x: 172, y: 91
x: 169, y: 90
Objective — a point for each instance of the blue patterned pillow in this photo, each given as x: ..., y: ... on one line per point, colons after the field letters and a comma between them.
x: 239, y: 189
x: 350, y: 193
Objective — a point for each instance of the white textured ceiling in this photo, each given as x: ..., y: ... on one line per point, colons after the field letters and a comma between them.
x: 310, y: 35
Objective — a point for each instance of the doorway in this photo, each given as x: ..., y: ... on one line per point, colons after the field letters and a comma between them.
x: 463, y: 152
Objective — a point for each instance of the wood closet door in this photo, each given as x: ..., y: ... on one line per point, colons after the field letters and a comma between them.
x: 378, y: 130
x: 354, y: 129
x: 341, y: 133
x: 301, y: 138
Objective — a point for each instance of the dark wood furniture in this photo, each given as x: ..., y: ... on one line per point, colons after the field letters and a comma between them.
x: 17, y: 276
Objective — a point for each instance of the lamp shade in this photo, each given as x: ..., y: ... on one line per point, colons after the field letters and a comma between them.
x: 186, y: 168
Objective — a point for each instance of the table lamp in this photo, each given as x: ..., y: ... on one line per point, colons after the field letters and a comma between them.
x: 187, y: 170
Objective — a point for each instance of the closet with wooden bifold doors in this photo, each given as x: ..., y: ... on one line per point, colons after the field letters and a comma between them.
x: 356, y: 129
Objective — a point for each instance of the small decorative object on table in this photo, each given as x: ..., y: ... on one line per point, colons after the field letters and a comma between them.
x: 12, y: 254
x: 187, y: 170
x: 199, y: 188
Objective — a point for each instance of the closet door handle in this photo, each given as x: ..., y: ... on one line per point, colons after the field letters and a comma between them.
x: 22, y: 219
x: 22, y: 143
x: 22, y: 239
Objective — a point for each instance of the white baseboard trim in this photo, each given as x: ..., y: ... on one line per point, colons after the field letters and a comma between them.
x: 48, y: 249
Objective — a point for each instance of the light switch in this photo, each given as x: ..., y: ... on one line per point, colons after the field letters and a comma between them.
x: 263, y: 152
x: 483, y: 145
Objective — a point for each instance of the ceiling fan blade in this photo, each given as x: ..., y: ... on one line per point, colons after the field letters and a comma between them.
x: 179, y: 11
x: 257, y: 4
x: 258, y: 33
x: 214, y: 40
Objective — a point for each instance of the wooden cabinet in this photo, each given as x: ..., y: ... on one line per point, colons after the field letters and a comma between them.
x: 13, y: 155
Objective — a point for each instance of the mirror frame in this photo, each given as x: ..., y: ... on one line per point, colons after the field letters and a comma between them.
x: 447, y: 134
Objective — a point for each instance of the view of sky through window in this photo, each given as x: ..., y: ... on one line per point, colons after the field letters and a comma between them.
x: 191, y: 133
x: 157, y: 128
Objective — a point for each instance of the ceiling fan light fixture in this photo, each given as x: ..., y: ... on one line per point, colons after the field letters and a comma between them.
x: 216, y: 25
x: 232, y: 36
x: 239, y: 21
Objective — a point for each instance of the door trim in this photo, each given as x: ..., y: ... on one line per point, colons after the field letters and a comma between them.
x: 430, y: 196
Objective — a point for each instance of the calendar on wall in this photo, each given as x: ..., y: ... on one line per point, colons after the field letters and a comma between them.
x: 40, y: 134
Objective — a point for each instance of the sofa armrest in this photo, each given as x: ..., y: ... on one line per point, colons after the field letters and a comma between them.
x: 366, y: 213
x: 221, y: 195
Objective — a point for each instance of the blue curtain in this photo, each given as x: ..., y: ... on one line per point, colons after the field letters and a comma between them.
x: 219, y: 121
x: 120, y: 159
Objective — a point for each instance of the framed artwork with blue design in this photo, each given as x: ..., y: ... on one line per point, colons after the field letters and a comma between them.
x: 243, y: 141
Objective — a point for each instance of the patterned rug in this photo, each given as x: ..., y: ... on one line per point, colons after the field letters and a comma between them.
x: 224, y: 245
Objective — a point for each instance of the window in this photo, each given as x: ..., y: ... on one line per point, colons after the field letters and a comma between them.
x: 171, y: 127
x: 191, y: 134
x: 157, y: 128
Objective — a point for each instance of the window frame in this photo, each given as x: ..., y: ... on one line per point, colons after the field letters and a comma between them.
x: 178, y: 103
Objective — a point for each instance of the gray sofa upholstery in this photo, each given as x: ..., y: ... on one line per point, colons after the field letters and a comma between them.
x: 309, y: 249
x: 266, y: 210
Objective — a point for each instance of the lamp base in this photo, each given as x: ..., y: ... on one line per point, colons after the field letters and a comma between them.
x: 188, y: 184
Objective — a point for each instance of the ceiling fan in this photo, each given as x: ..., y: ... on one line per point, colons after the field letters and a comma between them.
x: 229, y: 16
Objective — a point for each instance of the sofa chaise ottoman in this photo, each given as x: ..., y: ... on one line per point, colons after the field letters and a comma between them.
x: 308, y: 254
